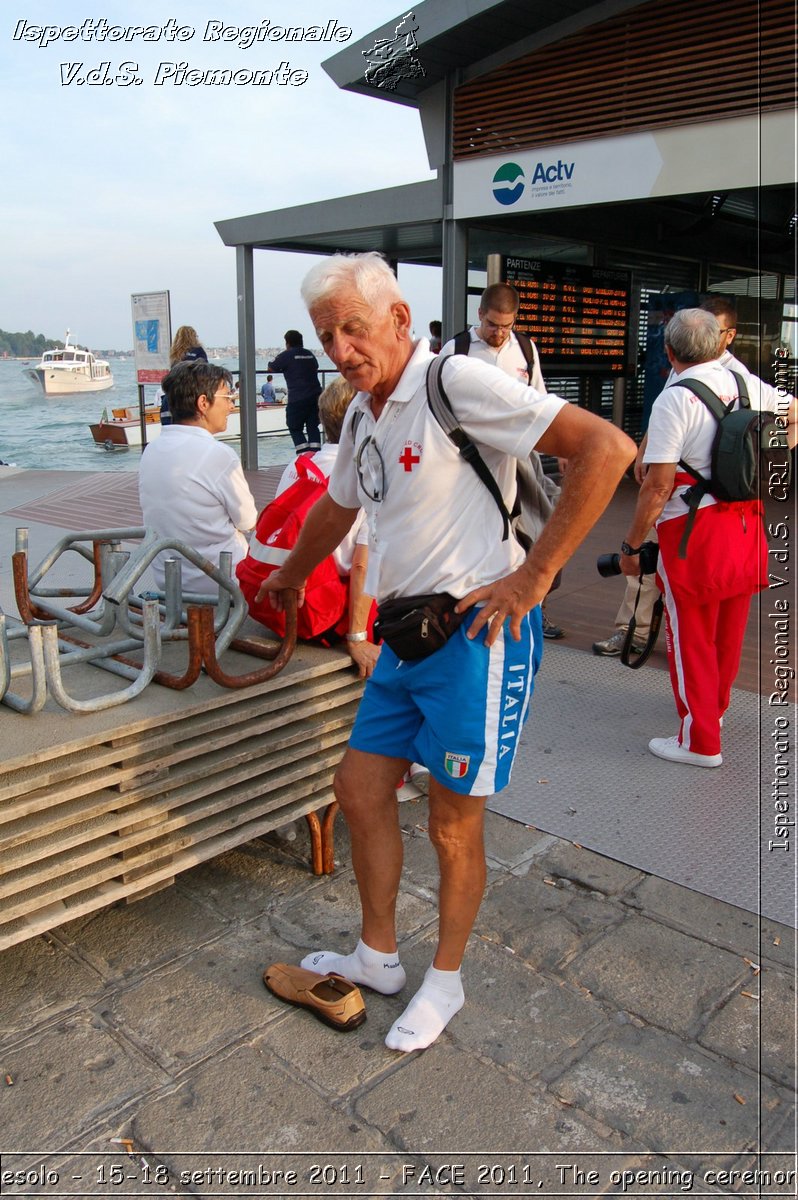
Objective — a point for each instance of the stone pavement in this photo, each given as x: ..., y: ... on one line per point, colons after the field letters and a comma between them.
x: 621, y: 1034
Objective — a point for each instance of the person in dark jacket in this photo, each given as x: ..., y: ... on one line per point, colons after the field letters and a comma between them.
x: 300, y: 369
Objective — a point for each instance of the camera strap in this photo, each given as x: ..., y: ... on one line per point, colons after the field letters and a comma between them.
x: 627, y: 657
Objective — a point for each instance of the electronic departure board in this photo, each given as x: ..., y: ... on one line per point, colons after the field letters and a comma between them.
x: 578, y: 316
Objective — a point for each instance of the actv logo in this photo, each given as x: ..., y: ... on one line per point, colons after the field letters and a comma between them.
x: 508, y: 182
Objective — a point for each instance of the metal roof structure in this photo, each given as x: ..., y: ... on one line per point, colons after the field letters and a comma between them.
x: 402, y: 222
x: 456, y: 43
x: 470, y: 39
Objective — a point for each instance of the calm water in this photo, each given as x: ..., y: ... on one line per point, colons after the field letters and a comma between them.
x: 52, y: 433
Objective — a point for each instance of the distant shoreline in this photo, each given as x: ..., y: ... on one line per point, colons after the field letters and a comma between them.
x: 215, y: 355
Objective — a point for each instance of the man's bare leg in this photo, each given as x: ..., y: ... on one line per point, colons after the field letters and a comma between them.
x: 456, y: 830
x: 365, y: 787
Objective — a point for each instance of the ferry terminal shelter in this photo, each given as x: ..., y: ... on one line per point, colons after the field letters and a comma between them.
x: 614, y: 160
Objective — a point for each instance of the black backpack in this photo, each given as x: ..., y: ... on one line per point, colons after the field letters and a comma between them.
x: 534, y: 500
x: 744, y: 441
x: 533, y: 506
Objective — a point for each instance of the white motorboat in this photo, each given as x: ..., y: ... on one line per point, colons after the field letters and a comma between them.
x: 122, y: 429
x: 70, y: 370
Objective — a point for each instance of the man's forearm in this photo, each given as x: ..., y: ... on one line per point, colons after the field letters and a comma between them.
x: 652, y: 498
x: 359, y: 600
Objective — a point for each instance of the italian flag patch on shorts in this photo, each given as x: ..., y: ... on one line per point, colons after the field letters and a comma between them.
x: 456, y: 765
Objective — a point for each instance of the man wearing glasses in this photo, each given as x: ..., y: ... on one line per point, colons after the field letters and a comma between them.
x: 435, y: 528
x: 495, y: 341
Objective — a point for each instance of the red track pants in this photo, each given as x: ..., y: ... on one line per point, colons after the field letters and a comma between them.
x: 707, y: 598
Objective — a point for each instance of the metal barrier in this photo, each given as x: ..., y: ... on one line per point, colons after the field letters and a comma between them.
x: 111, y: 604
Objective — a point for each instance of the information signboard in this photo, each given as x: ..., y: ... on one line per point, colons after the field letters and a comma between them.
x: 577, y: 315
x: 152, y: 335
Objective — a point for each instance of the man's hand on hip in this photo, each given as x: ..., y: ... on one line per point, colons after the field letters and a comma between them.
x: 512, y: 596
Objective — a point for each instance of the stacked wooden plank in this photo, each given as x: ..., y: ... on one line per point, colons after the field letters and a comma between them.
x: 107, y: 806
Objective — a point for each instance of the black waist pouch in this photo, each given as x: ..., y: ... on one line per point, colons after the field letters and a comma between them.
x: 416, y: 626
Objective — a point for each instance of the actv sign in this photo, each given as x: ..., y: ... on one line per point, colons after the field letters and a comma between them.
x: 510, y: 183
x: 718, y: 155
x: 562, y: 176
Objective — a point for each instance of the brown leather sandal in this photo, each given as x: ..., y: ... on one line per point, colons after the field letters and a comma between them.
x: 334, y: 1000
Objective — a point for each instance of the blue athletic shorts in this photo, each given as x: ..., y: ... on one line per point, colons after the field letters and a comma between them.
x: 459, y: 712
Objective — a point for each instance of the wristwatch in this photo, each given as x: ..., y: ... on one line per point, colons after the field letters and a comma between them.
x: 627, y: 549
x: 362, y: 636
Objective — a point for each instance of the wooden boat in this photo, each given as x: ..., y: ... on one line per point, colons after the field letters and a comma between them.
x: 123, y: 429
x: 70, y: 370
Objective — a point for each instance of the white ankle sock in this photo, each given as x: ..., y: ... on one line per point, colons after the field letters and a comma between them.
x: 428, y: 1013
x: 381, y: 972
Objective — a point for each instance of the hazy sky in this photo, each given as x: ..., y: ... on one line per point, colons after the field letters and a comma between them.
x: 112, y: 189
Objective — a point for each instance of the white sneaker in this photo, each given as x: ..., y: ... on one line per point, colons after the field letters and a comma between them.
x: 406, y: 791
x: 670, y: 749
x: 419, y: 777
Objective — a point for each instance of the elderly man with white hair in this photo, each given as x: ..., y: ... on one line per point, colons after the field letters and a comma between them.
x: 440, y: 551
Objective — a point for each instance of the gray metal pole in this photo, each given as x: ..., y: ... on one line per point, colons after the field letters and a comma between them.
x: 142, y: 417
x: 246, y: 357
x: 454, y: 236
x: 455, y: 276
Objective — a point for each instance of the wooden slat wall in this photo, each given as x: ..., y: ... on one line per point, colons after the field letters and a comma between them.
x: 128, y: 811
x: 656, y: 65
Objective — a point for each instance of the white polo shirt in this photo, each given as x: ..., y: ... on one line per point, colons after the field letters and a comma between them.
x: 193, y: 488
x: 681, y: 426
x: 509, y: 358
x: 438, y: 529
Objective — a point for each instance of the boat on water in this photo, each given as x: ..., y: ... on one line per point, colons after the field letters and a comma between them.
x: 122, y: 430
x: 70, y: 370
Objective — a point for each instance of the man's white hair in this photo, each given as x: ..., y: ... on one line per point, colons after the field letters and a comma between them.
x: 693, y: 335
x: 368, y: 275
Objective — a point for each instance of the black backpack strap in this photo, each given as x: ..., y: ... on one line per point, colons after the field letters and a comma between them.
x: 528, y: 351
x: 716, y: 406
x: 742, y: 389
x: 462, y: 342
x: 713, y: 402
x: 444, y: 414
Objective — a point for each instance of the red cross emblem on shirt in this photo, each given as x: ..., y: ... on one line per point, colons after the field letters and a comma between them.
x: 408, y: 459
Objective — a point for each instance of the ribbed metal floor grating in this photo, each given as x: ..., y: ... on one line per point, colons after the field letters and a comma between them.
x: 584, y: 773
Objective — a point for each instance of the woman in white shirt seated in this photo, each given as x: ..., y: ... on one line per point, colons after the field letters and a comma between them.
x: 191, y: 486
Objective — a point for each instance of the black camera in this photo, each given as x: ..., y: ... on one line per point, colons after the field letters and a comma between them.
x: 608, y: 565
